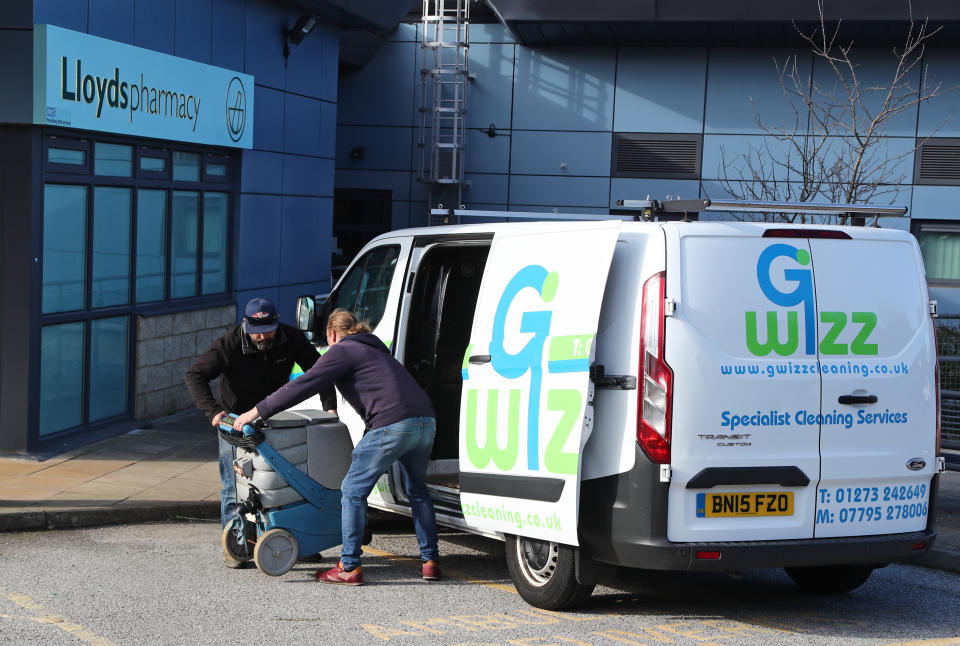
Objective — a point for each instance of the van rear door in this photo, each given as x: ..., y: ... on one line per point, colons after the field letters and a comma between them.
x: 744, y: 363
x: 526, y: 377
x: 877, y: 355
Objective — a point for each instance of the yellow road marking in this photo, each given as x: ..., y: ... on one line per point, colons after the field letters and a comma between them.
x: 451, y: 573
x: 48, y: 618
x: 944, y: 641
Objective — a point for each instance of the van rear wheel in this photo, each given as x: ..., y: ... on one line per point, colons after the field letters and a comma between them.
x: 830, y: 579
x: 543, y: 573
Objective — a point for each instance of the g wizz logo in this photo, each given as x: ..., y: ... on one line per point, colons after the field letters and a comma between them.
x: 798, y: 274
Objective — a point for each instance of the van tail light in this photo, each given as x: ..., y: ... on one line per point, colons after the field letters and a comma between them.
x: 656, y: 390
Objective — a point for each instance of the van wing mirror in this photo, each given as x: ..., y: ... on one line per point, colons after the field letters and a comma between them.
x: 306, y: 313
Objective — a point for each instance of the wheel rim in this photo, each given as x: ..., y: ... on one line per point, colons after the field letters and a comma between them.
x: 537, y: 560
x: 276, y: 552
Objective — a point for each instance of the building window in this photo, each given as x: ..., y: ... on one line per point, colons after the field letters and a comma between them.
x: 183, y: 255
x: 110, y: 279
x: 359, y: 216
x: 61, y: 383
x: 186, y: 166
x: 126, y: 229
x: 64, y: 247
x: 216, y: 207
x: 67, y: 156
x: 151, y: 245
x: 940, y: 248
x: 113, y: 160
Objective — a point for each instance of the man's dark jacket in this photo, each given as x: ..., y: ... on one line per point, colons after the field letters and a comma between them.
x: 247, y: 374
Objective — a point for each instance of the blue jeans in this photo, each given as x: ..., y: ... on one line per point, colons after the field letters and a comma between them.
x: 409, y: 441
x: 228, y: 482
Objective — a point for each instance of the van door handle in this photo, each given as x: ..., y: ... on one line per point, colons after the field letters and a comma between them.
x: 857, y: 399
x: 478, y: 359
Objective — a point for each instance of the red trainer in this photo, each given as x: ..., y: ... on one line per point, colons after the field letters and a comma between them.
x: 337, y: 574
x: 430, y: 571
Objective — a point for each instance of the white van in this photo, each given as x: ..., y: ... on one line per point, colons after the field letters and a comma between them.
x: 664, y: 395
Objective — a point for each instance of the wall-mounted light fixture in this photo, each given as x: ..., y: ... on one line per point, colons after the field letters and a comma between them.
x: 295, y: 36
x: 357, y: 152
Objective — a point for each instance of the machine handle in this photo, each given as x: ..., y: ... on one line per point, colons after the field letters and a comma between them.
x: 479, y: 359
x: 226, y: 424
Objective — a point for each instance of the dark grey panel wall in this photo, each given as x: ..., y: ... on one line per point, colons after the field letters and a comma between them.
x: 16, y: 185
x: 16, y: 78
x: 16, y: 14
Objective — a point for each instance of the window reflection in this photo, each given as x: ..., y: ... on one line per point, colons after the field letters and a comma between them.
x: 151, y: 244
x: 108, y: 367
x: 61, y: 377
x: 183, y: 255
x: 215, y: 209
x: 113, y: 160
x: 110, y: 282
x: 64, y: 247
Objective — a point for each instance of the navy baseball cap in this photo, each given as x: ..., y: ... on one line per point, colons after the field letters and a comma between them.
x: 260, y: 316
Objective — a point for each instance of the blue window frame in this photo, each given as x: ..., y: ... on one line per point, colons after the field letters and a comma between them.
x: 126, y: 229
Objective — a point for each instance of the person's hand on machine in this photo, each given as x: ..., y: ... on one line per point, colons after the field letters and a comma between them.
x: 245, y: 418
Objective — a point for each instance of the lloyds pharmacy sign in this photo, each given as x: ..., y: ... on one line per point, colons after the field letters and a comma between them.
x: 86, y: 82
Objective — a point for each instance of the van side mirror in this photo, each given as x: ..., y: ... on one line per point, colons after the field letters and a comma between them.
x: 306, y: 306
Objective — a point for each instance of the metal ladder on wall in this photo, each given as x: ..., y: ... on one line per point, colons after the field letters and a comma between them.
x: 444, y: 72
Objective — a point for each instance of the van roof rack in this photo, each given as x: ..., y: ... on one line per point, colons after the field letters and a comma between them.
x: 647, y: 209
x: 650, y: 208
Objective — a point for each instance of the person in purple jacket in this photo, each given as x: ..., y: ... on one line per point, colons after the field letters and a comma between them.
x: 400, y: 425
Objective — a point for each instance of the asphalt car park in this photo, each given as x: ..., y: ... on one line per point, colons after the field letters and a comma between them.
x: 165, y: 584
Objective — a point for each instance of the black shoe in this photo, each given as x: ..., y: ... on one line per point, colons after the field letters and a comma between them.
x: 234, y: 564
x: 312, y: 558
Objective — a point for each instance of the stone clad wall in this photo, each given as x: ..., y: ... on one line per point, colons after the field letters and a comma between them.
x: 166, y: 346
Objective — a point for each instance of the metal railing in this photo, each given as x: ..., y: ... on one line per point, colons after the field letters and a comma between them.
x: 948, y: 341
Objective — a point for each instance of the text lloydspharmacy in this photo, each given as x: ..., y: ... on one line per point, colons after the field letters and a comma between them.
x: 135, y: 96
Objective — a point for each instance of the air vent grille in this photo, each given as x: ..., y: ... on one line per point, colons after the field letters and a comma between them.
x: 668, y: 156
x: 939, y: 163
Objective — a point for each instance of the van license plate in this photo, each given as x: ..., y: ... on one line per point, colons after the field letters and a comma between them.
x: 712, y: 505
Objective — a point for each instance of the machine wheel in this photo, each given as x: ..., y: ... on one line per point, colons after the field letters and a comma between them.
x: 543, y: 573
x: 276, y: 552
x: 830, y: 579
x: 238, y: 540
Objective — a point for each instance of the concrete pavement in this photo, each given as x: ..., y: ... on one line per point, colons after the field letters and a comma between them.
x: 169, y: 471
x: 165, y: 471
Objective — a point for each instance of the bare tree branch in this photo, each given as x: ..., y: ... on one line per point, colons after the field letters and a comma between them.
x: 835, y: 145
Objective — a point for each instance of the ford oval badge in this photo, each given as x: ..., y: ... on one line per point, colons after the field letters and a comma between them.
x: 916, y: 464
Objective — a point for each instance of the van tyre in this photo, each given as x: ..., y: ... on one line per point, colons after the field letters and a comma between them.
x: 543, y: 573
x: 830, y: 579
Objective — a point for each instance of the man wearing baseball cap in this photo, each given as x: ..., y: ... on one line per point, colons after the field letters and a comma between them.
x: 252, y: 360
